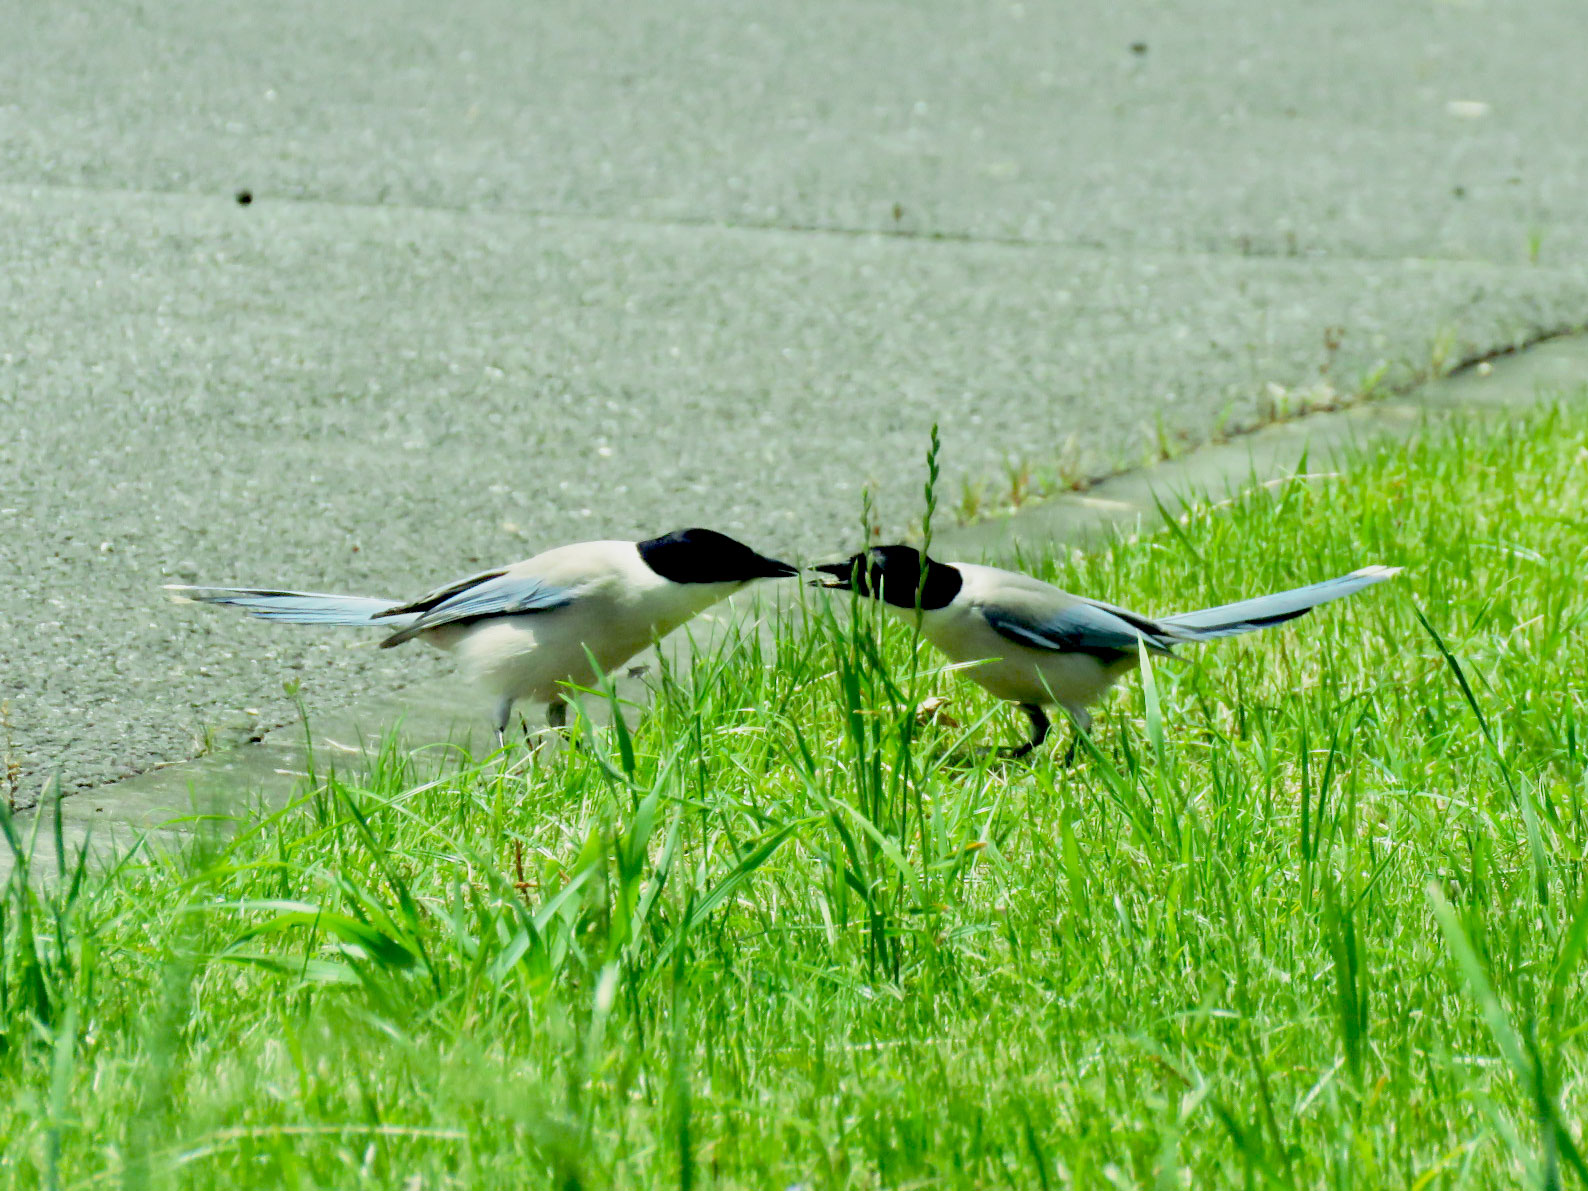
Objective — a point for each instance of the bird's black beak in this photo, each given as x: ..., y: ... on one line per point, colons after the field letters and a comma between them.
x: 773, y: 568
x: 843, y: 575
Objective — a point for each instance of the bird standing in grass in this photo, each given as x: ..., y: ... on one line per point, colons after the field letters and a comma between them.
x: 526, y: 631
x: 1041, y: 647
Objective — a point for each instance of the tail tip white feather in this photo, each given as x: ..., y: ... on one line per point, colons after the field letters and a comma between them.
x: 1376, y: 572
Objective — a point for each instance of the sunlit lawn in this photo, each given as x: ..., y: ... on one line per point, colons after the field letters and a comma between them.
x: 1308, y: 915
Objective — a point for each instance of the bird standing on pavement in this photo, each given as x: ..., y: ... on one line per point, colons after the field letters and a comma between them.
x: 566, y: 616
x: 1040, y: 647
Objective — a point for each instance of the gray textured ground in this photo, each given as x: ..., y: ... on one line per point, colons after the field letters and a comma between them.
x: 516, y: 274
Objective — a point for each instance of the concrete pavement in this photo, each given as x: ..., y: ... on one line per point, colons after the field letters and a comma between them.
x: 513, y: 275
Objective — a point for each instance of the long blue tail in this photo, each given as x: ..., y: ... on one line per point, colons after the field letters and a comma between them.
x: 1248, y: 616
x: 296, y: 607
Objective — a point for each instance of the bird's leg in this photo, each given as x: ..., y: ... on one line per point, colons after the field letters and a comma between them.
x: 1083, y: 723
x: 504, y: 713
x: 557, y: 714
x: 557, y: 720
x: 1039, y: 731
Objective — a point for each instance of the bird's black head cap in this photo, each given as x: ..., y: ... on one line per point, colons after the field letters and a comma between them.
x: 898, y: 575
x: 706, y: 556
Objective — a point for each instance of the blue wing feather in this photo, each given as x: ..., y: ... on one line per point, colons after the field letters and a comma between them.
x: 494, y: 593
x: 1081, y: 627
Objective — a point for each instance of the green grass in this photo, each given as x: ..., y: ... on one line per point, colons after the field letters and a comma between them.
x: 1309, y: 913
